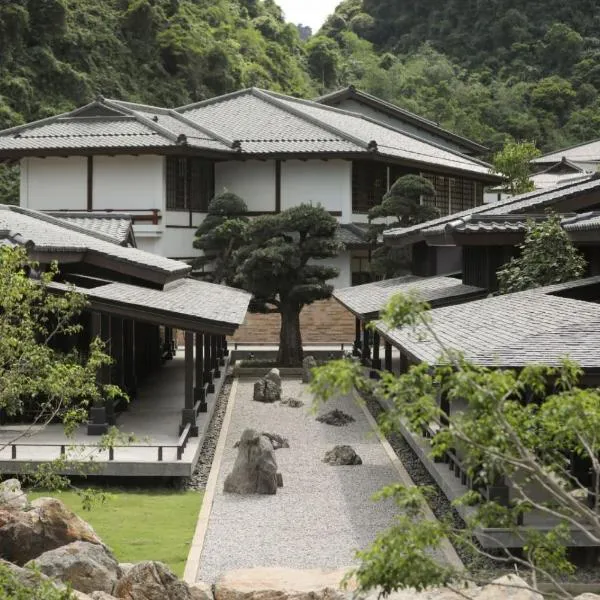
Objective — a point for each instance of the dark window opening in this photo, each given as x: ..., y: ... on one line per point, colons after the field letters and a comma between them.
x: 369, y: 185
x: 190, y: 183
x: 453, y: 194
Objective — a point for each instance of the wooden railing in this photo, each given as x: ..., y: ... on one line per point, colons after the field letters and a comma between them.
x: 138, y: 215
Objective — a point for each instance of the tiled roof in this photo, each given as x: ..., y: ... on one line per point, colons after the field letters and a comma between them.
x: 586, y: 152
x: 187, y: 298
x: 48, y: 234
x: 113, y: 225
x: 511, y: 330
x: 368, y: 299
x: 351, y: 234
x: 589, y: 221
x: 537, y: 200
x: 399, y: 113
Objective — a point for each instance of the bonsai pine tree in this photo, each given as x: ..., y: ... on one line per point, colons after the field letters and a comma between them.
x: 547, y: 256
x: 276, y: 264
x: 402, y: 203
x: 220, y: 234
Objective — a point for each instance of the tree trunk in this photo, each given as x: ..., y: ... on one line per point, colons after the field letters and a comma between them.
x: 290, y: 338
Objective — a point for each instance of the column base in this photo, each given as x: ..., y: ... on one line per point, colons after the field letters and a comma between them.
x: 199, y: 393
x: 216, y: 374
x: 98, y: 423
x: 374, y: 374
x: 210, y: 388
x: 188, y: 417
x: 203, y: 407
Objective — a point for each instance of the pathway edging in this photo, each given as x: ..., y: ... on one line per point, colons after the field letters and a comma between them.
x: 192, y: 564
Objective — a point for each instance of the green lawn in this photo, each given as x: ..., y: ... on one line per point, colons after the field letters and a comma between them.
x: 141, y: 524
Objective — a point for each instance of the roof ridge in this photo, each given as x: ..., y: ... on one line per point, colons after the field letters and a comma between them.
x: 137, y: 105
x: 44, y: 121
x: 272, y: 98
x: 41, y: 216
x: 233, y: 144
x: 83, y: 214
x: 538, y: 159
x: 213, y: 100
x: 380, y: 124
x: 407, y: 113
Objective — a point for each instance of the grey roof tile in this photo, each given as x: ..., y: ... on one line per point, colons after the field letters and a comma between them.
x: 586, y: 152
x: 351, y: 234
x: 113, y: 225
x: 511, y: 330
x: 47, y: 233
x: 368, y: 299
x: 589, y: 221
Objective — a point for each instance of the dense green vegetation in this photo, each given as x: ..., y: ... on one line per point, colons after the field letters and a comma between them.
x: 488, y: 70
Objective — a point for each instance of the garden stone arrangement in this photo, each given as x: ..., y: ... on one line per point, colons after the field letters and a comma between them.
x: 268, y: 388
x: 308, y: 364
x: 255, y: 468
x: 66, y: 550
x: 342, y: 455
x: 336, y: 417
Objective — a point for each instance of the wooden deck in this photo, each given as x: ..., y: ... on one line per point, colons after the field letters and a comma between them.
x: 154, y: 418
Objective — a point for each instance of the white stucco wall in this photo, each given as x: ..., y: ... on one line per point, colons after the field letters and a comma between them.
x: 343, y: 263
x: 252, y: 180
x: 54, y: 183
x: 129, y: 182
x: 328, y: 183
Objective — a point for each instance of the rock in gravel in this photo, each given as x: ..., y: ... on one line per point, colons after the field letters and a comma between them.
x: 151, y: 580
x: 509, y: 587
x: 292, y: 402
x: 342, y: 455
x: 49, y: 524
x: 102, y: 596
x: 336, y: 417
x: 277, y: 441
x: 278, y: 583
x: 274, y: 377
x: 255, y: 468
x: 308, y: 364
x: 201, y: 591
x: 266, y: 391
x: 87, y: 567
x: 11, y: 495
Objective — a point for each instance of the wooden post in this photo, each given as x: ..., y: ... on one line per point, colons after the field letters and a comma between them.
x: 445, y: 408
x: 98, y: 424
x: 403, y: 363
x: 388, y: 356
x: 189, y: 414
x: 366, y: 348
x: 208, y: 374
x: 376, y: 362
x: 222, y: 342
x: 357, y: 344
x: 199, y: 391
x: 214, y: 354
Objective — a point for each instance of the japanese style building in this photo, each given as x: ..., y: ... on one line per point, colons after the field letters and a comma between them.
x: 136, y: 302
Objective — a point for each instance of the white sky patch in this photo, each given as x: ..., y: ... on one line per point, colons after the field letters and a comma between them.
x: 308, y: 12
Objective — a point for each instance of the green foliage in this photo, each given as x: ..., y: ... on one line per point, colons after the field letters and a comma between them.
x: 220, y: 235
x: 513, y: 161
x: 547, y: 256
x: 403, y: 204
x: 12, y: 587
x: 279, y: 264
x: 9, y: 185
x: 517, y: 426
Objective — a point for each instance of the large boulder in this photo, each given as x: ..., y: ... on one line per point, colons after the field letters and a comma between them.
x: 336, y: 417
x: 277, y: 441
x: 308, y: 364
x: 278, y: 583
x: 87, y: 567
x: 342, y: 455
x: 201, y: 591
x: 102, y: 596
x: 275, y: 378
x: 508, y: 587
x: 266, y: 391
x: 255, y: 468
x: 25, y: 577
x: 49, y: 524
x: 11, y: 495
x: 151, y: 580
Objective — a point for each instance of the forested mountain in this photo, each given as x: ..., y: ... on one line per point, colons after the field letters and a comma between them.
x: 58, y: 54
x: 485, y: 68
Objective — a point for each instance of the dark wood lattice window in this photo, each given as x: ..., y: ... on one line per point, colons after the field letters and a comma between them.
x: 453, y: 194
x: 190, y: 183
x: 369, y: 185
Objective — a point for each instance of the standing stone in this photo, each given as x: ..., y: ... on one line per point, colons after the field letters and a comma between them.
x: 87, y: 567
x: 267, y: 391
x: 151, y: 580
x: 11, y: 495
x: 308, y: 364
x: 277, y: 441
x: 342, y: 455
x: 274, y: 376
x: 255, y: 468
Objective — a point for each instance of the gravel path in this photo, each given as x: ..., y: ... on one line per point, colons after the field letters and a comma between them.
x: 322, y: 515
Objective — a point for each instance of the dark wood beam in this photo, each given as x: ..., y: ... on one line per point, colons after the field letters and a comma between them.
x: 90, y: 182
x: 277, y: 186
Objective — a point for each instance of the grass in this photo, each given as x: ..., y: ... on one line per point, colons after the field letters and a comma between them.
x: 141, y: 524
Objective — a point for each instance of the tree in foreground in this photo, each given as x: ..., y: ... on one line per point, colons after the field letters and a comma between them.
x: 36, y: 377
x: 514, y: 163
x: 534, y: 429
x: 220, y: 235
x: 400, y: 207
x: 277, y: 266
x: 547, y: 256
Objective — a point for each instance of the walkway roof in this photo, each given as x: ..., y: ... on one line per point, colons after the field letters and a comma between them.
x: 540, y: 326
x: 365, y: 301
